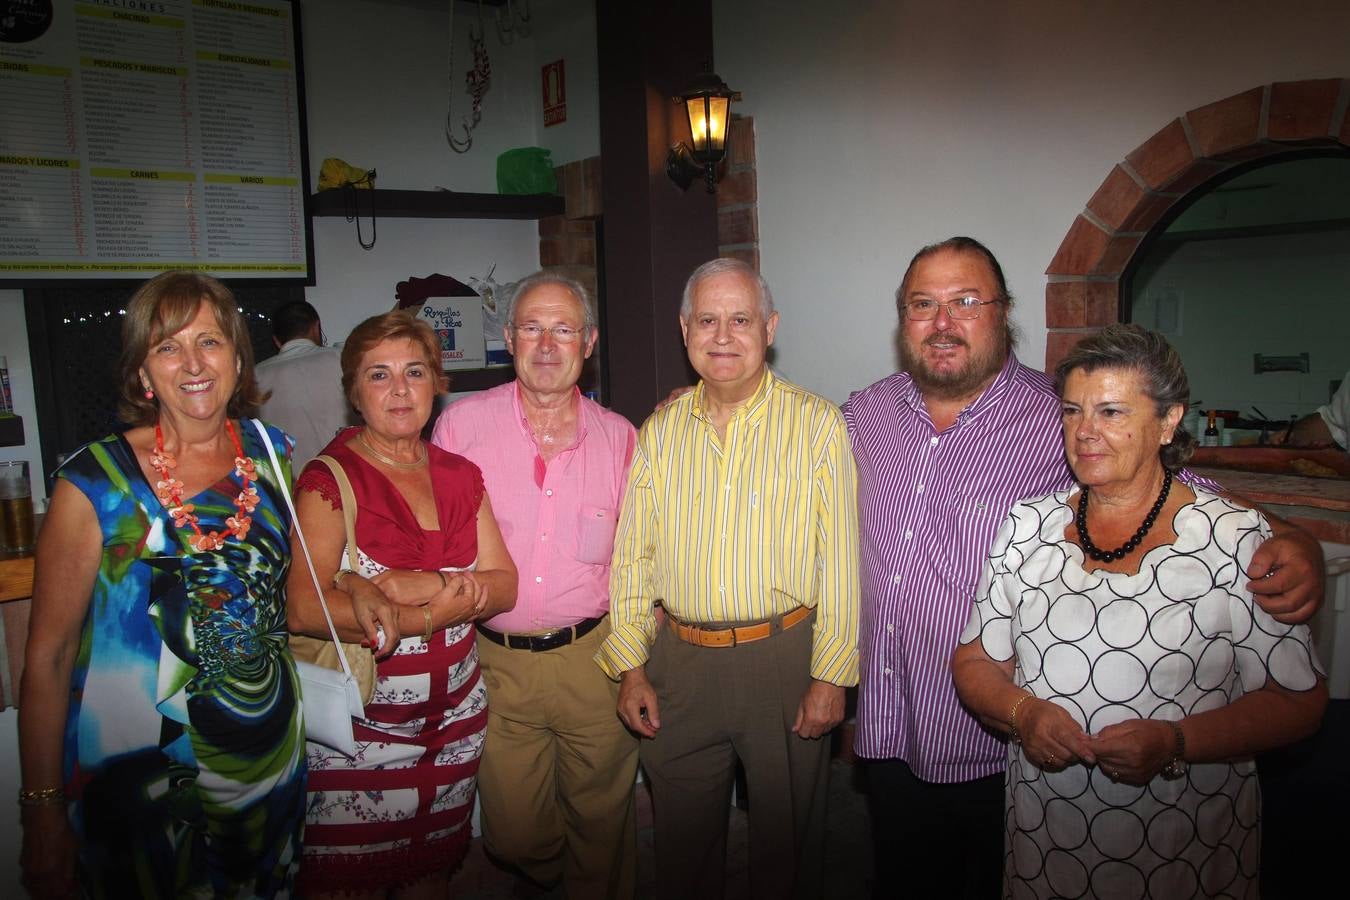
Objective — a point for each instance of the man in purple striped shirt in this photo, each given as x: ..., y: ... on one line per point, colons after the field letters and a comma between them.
x: 944, y: 448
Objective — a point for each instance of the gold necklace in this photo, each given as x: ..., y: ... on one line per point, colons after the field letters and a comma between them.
x: 389, y: 460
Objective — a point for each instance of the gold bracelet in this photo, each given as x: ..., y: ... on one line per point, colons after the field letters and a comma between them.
x: 337, y: 577
x: 54, y: 796
x: 1016, y: 737
x: 426, y: 616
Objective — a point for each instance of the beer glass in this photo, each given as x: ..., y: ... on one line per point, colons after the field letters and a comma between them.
x: 16, y: 508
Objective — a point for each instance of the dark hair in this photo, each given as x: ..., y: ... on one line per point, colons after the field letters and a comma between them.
x: 160, y: 308
x: 391, y: 326
x: 1133, y: 347
x: 293, y: 320
x: 958, y: 244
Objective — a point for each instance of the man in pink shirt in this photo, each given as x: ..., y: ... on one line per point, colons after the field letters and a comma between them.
x: 556, y: 779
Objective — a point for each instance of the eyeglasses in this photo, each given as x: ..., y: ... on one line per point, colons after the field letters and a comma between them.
x: 563, y: 334
x: 957, y: 308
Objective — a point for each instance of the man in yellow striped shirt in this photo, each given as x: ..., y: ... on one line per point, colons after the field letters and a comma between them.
x: 740, y: 518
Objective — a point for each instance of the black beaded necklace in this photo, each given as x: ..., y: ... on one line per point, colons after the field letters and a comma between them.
x: 1128, y: 547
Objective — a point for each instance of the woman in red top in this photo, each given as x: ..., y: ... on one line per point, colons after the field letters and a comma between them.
x: 393, y: 821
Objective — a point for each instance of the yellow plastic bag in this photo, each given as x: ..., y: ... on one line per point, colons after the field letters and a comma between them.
x: 334, y: 173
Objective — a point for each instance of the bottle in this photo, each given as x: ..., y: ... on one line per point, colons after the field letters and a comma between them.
x: 1211, y: 435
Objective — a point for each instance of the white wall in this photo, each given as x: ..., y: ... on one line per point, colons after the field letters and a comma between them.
x: 378, y: 78
x: 902, y: 122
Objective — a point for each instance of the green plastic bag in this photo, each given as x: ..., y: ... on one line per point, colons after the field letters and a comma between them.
x: 526, y: 170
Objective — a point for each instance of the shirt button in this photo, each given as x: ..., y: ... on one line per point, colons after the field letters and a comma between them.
x: 908, y: 535
x: 548, y: 493
x: 539, y: 579
x: 932, y: 442
x: 886, y: 672
x: 919, y: 489
x: 890, y: 629
x: 895, y: 579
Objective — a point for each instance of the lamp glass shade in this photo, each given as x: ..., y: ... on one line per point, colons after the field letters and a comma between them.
x: 708, y: 122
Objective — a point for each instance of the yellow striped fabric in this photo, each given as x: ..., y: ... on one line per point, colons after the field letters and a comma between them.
x: 738, y: 530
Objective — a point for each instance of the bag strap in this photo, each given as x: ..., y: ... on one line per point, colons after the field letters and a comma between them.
x: 348, y: 507
x: 300, y: 534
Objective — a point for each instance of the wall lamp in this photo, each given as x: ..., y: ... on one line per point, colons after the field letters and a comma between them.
x: 707, y: 101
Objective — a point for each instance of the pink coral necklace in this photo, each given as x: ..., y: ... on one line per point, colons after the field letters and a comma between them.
x: 169, y: 490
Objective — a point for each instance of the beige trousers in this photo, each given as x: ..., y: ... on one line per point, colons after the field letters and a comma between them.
x: 556, y: 778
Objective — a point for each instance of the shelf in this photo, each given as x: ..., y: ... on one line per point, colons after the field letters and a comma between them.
x: 438, y: 205
x: 479, y: 379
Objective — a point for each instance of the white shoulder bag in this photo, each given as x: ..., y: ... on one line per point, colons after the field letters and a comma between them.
x: 329, y: 697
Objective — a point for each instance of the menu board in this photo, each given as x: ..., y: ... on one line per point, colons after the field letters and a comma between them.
x: 144, y: 135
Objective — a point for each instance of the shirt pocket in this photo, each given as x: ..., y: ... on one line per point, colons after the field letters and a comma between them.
x: 595, y: 535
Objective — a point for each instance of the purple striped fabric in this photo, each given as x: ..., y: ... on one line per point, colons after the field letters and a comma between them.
x: 929, y: 506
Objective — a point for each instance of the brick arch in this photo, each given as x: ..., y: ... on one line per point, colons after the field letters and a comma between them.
x: 1082, y: 292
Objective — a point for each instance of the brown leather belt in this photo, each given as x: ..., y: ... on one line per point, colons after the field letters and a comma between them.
x: 731, y: 635
x: 537, y: 642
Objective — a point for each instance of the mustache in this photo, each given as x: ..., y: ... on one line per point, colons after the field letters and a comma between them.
x: 947, y: 338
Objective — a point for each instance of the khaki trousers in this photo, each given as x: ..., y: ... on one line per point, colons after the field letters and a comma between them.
x: 556, y: 778
x: 718, y: 704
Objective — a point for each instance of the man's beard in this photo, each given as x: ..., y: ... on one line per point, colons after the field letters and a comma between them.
x: 955, y: 384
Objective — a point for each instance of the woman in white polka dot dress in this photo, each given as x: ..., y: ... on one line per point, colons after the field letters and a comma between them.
x: 1114, y: 640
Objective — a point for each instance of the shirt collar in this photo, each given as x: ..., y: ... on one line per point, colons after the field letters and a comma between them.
x: 296, y: 344
x: 754, y: 409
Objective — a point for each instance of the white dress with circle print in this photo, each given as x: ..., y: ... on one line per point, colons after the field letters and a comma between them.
x: 1179, y: 637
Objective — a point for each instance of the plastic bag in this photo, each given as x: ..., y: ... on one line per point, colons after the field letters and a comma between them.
x: 336, y: 173
x: 526, y: 170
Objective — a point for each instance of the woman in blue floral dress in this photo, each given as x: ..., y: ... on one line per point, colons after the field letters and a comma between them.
x: 160, y: 728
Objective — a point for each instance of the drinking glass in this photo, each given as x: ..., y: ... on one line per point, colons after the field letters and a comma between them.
x: 16, y: 508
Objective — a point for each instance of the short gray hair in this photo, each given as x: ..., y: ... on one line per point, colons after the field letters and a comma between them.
x: 589, y: 319
x: 1135, y: 348
x: 726, y: 266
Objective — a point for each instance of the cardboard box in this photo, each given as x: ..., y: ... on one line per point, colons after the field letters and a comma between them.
x: 459, y: 325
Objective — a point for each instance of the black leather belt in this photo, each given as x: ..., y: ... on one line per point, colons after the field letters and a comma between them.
x: 550, y: 640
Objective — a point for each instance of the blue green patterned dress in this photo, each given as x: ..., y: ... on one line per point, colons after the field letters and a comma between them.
x: 184, y: 746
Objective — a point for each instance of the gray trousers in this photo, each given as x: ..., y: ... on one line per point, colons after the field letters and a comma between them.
x: 718, y: 705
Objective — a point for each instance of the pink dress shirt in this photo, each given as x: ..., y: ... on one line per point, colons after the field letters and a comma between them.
x: 557, y: 518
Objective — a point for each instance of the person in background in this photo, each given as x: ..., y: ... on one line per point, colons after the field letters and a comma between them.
x: 556, y: 781
x: 304, y: 380
x: 944, y: 448
x: 1328, y: 426
x: 160, y: 706
x: 739, y: 516
x: 1114, y: 638
x: 393, y: 822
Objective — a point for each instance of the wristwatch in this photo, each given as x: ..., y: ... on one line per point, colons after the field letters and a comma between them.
x: 1176, y: 766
